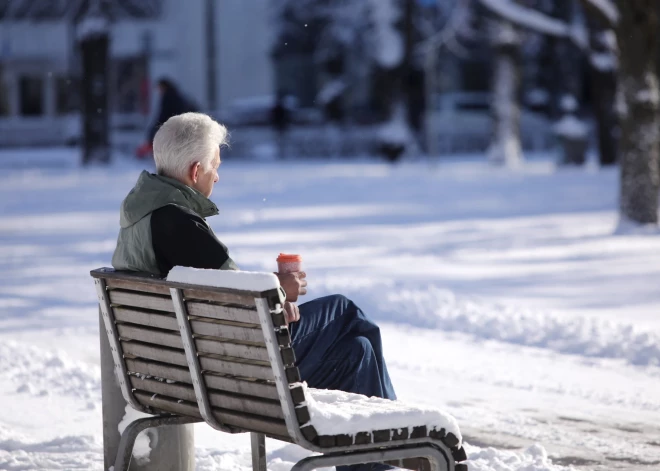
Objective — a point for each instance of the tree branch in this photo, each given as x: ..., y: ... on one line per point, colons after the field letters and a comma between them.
x: 527, y: 18
x: 606, y: 10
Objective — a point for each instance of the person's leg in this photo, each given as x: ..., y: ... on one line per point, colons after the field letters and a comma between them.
x: 338, y: 347
x: 330, y: 328
x: 350, y: 366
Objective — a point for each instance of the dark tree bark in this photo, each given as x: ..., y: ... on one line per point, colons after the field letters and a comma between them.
x: 638, y: 82
x: 391, y: 91
x: 603, y: 80
x: 95, y: 117
x: 569, y: 77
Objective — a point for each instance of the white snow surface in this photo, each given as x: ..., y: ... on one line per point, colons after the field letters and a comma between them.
x: 534, y: 458
x: 242, y: 280
x: 511, y: 299
x: 336, y: 412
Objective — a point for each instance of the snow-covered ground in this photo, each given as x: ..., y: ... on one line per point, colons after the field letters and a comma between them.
x: 504, y: 299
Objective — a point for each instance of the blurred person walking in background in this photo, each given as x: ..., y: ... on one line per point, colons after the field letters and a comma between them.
x: 280, y: 118
x: 172, y: 103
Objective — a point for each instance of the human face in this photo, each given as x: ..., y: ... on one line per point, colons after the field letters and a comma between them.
x: 205, y: 178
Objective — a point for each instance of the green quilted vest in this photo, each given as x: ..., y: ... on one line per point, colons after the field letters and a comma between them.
x: 134, y: 248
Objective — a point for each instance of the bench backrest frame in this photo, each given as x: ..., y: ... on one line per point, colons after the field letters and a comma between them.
x: 267, y: 305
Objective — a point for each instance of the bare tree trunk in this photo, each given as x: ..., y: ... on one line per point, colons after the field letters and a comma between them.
x: 603, y: 89
x: 505, y: 147
x: 95, y: 115
x: 639, y: 95
x: 394, y: 135
x: 603, y: 76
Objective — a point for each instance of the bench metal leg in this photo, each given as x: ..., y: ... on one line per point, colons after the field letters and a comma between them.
x: 439, y: 461
x: 125, y: 452
x: 258, y: 441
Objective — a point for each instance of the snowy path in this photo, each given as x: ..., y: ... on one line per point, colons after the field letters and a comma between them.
x: 503, y: 298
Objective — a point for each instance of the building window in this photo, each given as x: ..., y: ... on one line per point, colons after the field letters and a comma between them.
x: 67, y: 95
x: 130, y: 88
x: 31, y: 96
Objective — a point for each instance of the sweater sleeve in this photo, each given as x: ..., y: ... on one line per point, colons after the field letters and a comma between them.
x: 182, y: 238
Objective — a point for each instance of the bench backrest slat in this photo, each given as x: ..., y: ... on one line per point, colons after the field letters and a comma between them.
x: 220, y: 312
x: 231, y: 299
x: 246, y: 333
x: 137, y: 284
x: 158, y: 370
x: 154, y: 302
x: 135, y: 323
x: 273, y: 427
x: 143, y: 317
x: 231, y: 349
x: 232, y: 365
x: 242, y: 370
x: 153, y: 336
x: 152, y: 352
x: 248, y: 404
x: 181, y: 375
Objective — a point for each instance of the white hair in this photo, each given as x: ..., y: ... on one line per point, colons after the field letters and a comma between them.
x: 185, y: 139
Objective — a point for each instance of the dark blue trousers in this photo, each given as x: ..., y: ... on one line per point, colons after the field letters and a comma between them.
x: 338, y: 347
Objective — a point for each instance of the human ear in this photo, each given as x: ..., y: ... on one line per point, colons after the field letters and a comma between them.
x: 194, y: 172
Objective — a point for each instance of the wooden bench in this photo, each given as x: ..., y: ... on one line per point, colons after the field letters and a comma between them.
x: 190, y: 353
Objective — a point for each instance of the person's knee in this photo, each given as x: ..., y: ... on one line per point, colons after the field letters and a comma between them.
x: 340, y: 302
x: 359, y: 348
x: 340, y: 299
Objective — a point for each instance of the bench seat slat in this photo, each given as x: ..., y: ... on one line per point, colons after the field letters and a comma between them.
x: 245, y: 387
x: 242, y: 421
x: 226, y: 313
x: 186, y: 392
x: 143, y: 300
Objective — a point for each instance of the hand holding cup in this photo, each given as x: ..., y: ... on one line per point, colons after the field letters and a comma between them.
x: 291, y: 276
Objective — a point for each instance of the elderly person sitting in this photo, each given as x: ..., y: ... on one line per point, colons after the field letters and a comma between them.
x: 163, y: 225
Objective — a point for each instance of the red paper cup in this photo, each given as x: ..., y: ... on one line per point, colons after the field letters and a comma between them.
x: 288, y: 263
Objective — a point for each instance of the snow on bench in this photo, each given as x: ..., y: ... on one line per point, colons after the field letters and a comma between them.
x: 241, y: 280
x: 335, y: 412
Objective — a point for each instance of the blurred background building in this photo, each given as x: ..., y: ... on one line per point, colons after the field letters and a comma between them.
x: 217, y: 52
x: 332, y: 63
